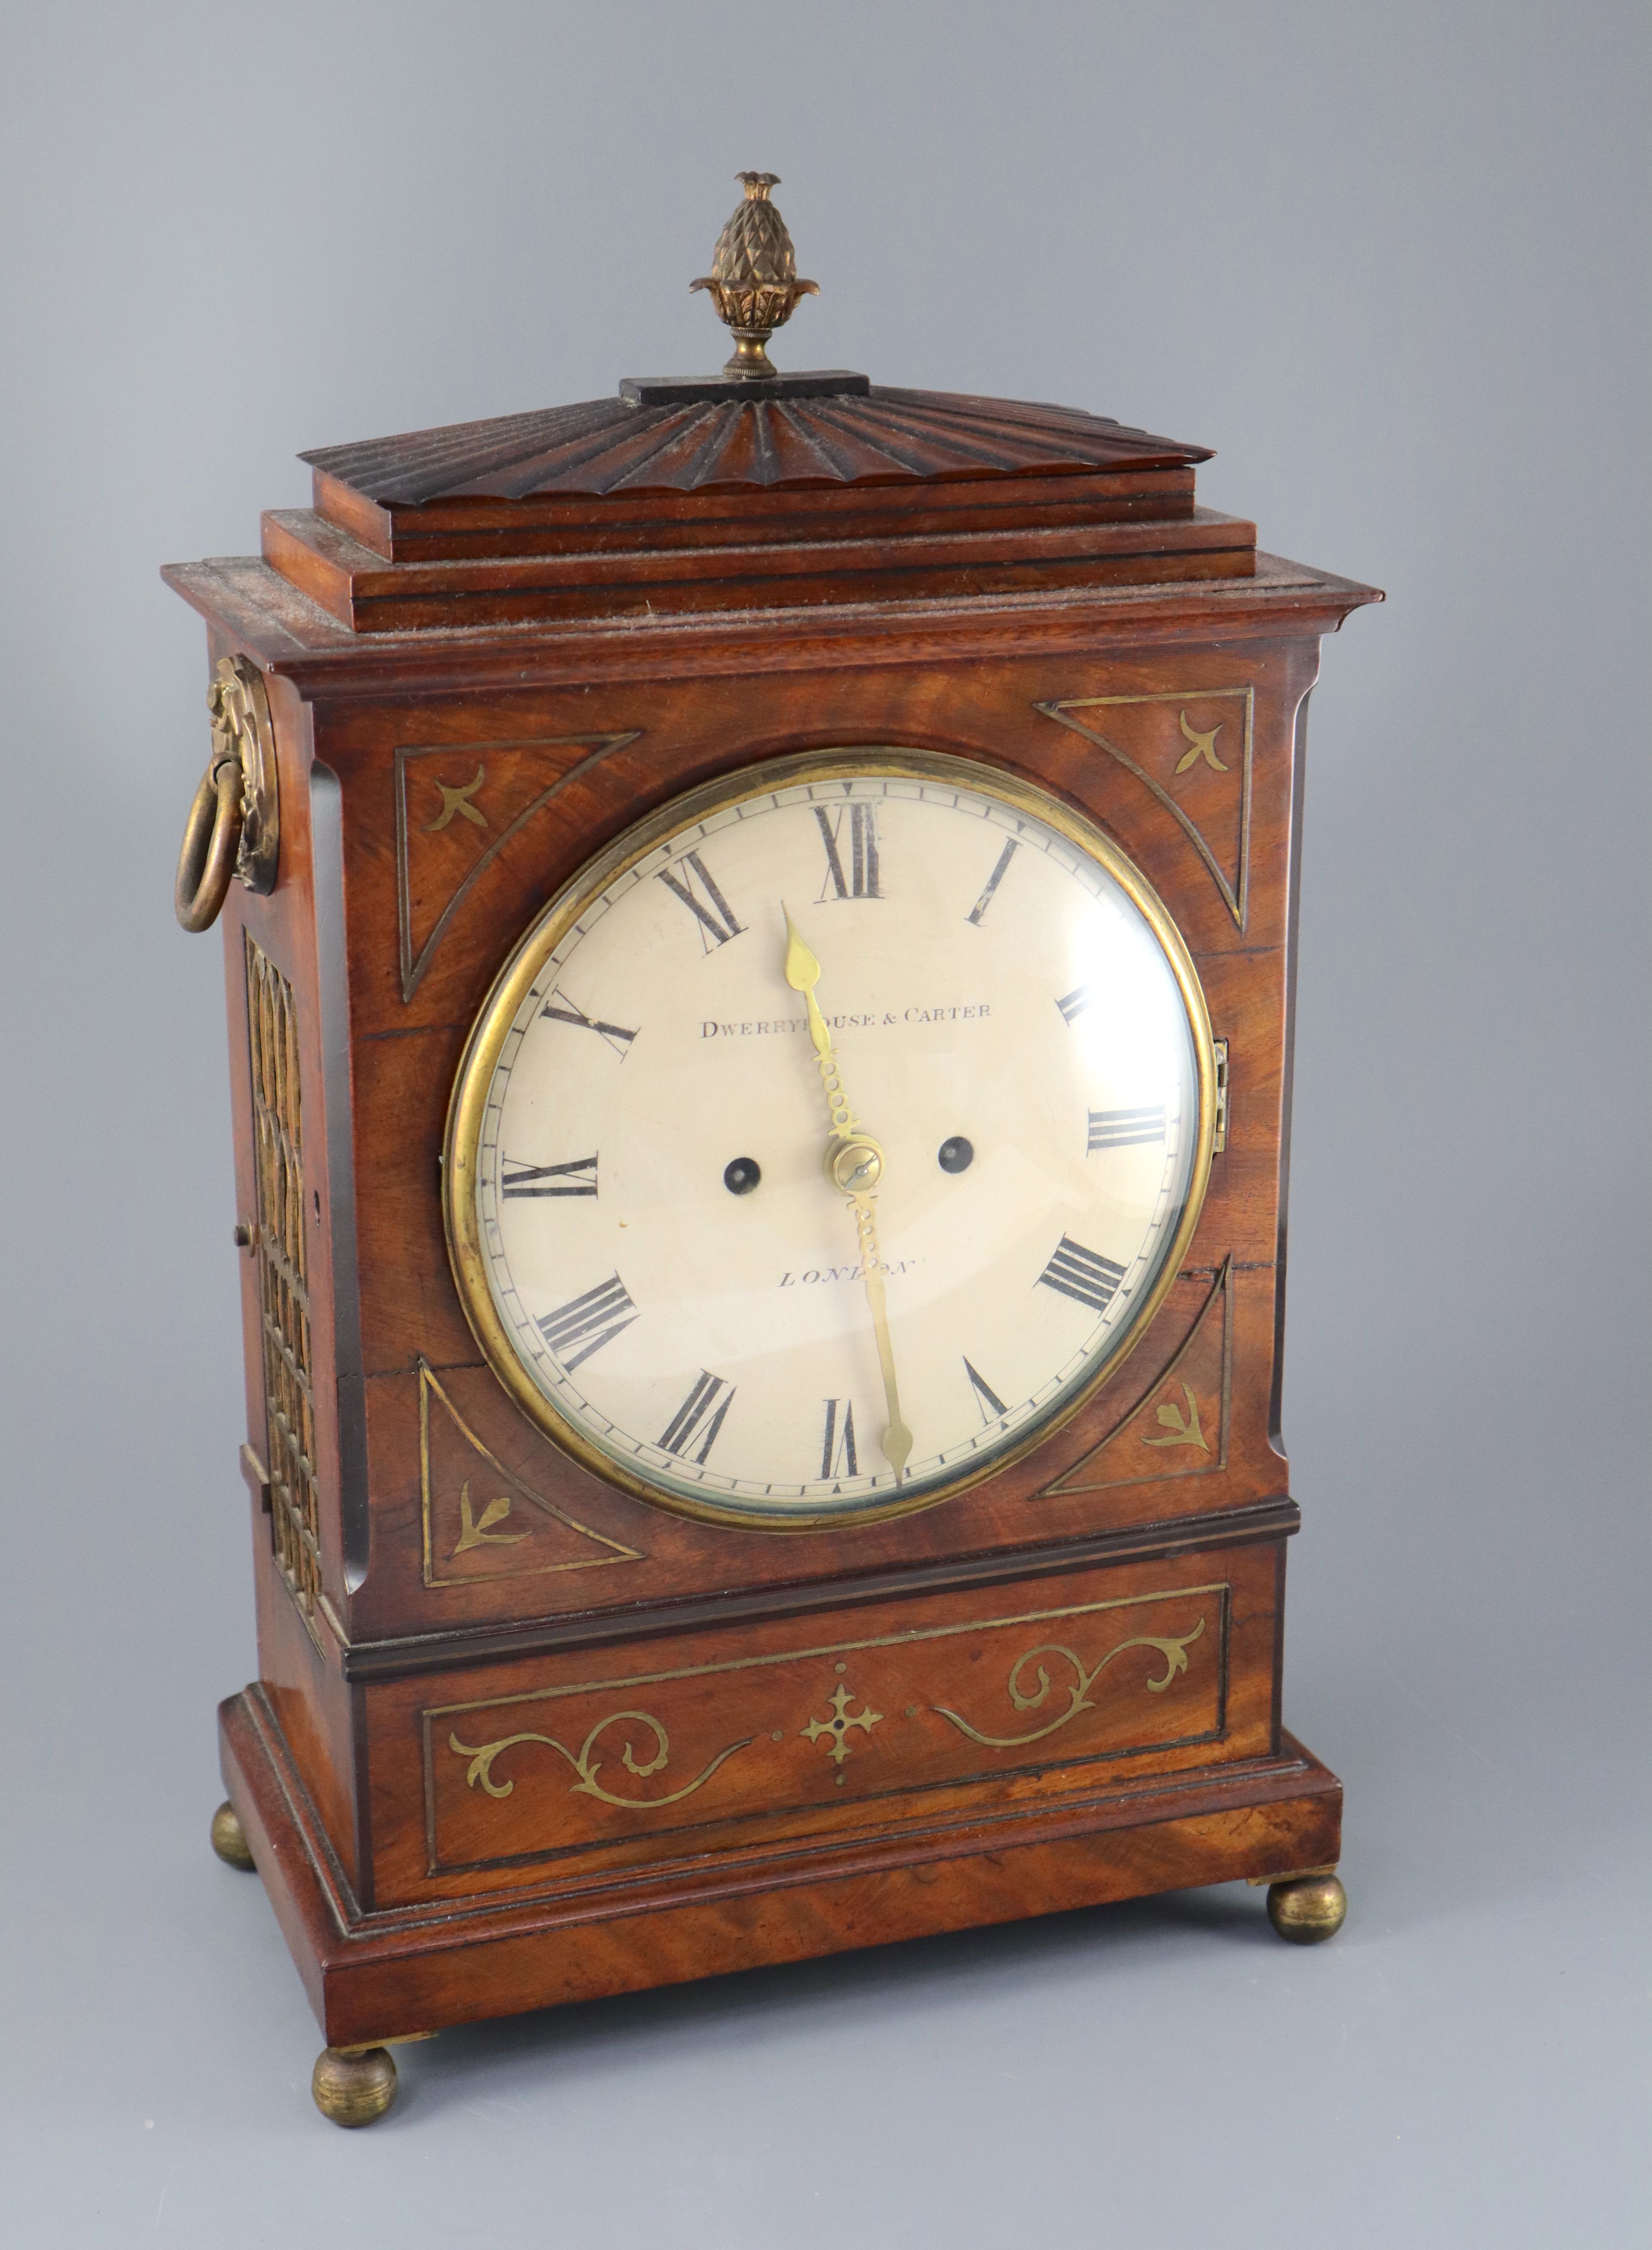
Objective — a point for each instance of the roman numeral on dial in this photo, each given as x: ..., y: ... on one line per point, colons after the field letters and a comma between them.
x: 1125, y: 1129
x: 590, y: 1321
x: 695, y: 1416
x: 992, y: 882
x: 837, y: 1451
x: 578, y: 1178
x: 860, y: 879
x: 1084, y: 1274
x: 1073, y: 1003
x: 992, y: 1406
x: 561, y: 1009
x: 714, y: 917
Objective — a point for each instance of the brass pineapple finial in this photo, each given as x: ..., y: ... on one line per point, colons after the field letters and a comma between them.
x: 754, y: 276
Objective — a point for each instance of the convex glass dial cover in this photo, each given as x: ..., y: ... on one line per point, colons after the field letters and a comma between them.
x: 706, y: 1188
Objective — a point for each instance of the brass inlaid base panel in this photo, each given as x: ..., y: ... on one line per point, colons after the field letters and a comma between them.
x: 1192, y: 750
x: 993, y: 1691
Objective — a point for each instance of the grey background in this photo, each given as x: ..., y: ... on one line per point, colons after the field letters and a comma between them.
x: 1390, y: 261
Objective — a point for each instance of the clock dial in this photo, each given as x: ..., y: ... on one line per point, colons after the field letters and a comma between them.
x: 665, y: 1160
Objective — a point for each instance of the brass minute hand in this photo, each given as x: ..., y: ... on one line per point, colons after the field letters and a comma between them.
x: 854, y: 1164
x: 897, y: 1438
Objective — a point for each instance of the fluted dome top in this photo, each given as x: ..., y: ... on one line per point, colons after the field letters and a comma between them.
x: 877, y: 437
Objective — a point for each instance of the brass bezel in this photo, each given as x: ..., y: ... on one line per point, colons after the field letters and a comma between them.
x: 468, y: 1103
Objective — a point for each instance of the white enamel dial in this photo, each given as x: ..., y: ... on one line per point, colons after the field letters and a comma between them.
x: 644, y: 1229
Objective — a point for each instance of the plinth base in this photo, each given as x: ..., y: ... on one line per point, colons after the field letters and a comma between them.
x: 378, y: 1978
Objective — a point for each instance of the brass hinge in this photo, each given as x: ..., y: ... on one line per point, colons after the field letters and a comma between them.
x: 1220, y: 1047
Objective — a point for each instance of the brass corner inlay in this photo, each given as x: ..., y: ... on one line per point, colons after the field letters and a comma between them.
x: 459, y: 801
x: 435, y: 799
x: 1193, y: 751
x: 487, y: 1517
x: 1192, y: 1419
x: 1204, y: 746
x: 1182, y: 1427
x: 1172, y: 1647
x: 477, y: 1531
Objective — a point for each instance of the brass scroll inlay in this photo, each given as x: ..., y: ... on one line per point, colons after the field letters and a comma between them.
x: 284, y: 1303
x: 1172, y: 1647
x: 588, y: 1766
x: 798, y: 1724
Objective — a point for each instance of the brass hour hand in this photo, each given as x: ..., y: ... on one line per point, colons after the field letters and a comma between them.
x: 854, y: 1160
x: 803, y: 971
x: 803, y: 974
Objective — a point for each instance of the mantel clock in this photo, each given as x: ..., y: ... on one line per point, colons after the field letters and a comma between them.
x: 759, y: 922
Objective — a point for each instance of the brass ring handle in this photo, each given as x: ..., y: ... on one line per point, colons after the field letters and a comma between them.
x: 212, y: 838
x: 234, y: 827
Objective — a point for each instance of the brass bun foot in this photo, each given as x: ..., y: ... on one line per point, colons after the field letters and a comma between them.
x: 1308, y: 1911
x: 229, y: 1837
x: 353, y: 2085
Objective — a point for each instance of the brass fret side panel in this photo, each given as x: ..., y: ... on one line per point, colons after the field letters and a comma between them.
x: 284, y: 1303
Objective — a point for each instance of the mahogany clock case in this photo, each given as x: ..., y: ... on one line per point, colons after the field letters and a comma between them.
x: 517, y: 1736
